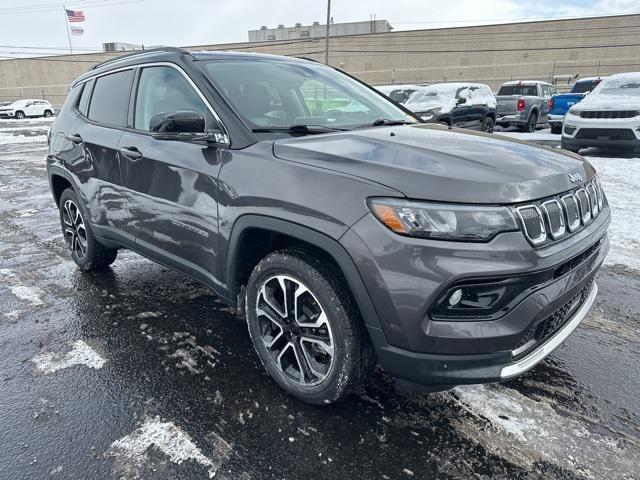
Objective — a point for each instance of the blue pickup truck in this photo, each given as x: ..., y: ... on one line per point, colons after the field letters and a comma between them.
x: 560, y: 103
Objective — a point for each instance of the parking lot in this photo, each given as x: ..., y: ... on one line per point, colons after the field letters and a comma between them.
x: 140, y: 372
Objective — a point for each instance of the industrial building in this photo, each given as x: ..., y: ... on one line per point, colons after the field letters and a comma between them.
x: 545, y: 50
x: 318, y: 30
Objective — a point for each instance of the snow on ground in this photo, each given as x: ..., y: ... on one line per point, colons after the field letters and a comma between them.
x: 80, y: 354
x: 131, y: 451
x: 539, y: 135
x: 621, y: 182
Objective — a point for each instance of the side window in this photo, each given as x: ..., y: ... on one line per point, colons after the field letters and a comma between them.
x: 83, y: 103
x: 164, y: 89
x: 110, y: 98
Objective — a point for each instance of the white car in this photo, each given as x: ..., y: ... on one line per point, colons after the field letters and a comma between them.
x: 608, y: 117
x: 26, y: 108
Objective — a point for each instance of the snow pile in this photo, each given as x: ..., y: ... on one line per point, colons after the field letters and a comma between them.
x: 80, y: 354
x: 620, y: 179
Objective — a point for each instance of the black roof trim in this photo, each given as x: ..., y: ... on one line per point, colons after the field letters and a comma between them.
x: 141, y: 52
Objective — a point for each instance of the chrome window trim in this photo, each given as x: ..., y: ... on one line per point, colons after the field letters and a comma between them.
x: 562, y: 230
x: 225, y: 136
x: 584, y: 216
x: 543, y: 235
x: 575, y: 225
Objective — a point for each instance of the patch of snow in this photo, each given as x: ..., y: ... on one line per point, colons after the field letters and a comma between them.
x: 131, y: 450
x: 80, y: 354
x: 524, y: 431
x: 6, y: 139
x: 29, y: 294
x: 620, y: 179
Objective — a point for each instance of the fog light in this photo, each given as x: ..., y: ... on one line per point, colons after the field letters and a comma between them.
x: 455, y: 297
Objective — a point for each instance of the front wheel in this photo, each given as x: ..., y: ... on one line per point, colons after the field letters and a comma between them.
x: 564, y: 146
x: 48, y: 114
x: 305, y: 328
x: 20, y: 115
x: 85, y: 250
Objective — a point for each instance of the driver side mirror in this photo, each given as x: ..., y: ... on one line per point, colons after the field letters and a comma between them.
x: 185, y: 125
x: 461, y: 101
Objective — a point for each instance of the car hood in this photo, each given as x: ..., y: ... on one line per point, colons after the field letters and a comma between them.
x: 431, y: 162
x: 610, y: 102
x: 445, y: 106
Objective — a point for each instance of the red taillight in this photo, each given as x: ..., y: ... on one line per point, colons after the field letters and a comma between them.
x: 551, y: 103
x: 520, y: 106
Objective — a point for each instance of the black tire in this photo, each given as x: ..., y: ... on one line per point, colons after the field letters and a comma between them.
x: 569, y: 149
x: 444, y: 122
x: 488, y: 124
x: 352, y: 359
x: 532, y: 121
x: 556, y: 129
x: 85, y: 250
x: 48, y: 113
x: 20, y: 115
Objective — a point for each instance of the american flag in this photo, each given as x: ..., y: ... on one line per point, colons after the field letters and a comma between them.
x: 77, y: 30
x: 75, y: 16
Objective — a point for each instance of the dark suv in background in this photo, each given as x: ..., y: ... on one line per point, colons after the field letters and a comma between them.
x: 349, y: 232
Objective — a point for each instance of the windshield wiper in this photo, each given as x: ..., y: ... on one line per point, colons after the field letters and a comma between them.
x: 386, y: 122
x: 298, y: 129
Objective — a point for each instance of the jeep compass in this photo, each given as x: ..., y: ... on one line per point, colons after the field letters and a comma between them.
x: 349, y: 232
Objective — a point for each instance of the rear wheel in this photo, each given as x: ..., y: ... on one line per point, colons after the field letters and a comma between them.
x: 532, y: 121
x: 488, y: 125
x: 556, y: 129
x: 20, y: 115
x: 85, y: 250
x: 305, y: 328
x: 47, y: 114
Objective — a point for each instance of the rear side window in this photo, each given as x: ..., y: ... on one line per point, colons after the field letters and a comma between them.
x: 524, y: 90
x: 110, y: 98
x: 164, y: 89
x: 83, y: 103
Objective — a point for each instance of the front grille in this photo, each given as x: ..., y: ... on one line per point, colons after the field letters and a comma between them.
x: 609, y: 114
x: 606, y: 134
x: 554, y: 218
x: 549, y: 326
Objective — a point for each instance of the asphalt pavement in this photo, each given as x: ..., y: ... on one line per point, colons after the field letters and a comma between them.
x: 139, y: 372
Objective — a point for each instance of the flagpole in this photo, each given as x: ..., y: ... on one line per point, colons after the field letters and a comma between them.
x: 66, y: 20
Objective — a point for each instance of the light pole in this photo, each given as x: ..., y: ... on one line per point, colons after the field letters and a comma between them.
x: 326, y: 39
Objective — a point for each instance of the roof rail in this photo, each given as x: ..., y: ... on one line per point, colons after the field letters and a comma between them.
x: 141, y: 52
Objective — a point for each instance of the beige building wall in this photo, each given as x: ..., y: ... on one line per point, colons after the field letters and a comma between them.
x: 488, y: 54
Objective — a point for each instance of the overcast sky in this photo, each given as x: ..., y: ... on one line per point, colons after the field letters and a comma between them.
x: 41, y: 23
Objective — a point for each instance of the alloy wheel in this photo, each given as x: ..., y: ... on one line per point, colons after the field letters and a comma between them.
x: 295, y: 330
x: 75, y: 232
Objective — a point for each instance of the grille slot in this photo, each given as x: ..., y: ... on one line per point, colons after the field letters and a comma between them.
x: 606, y: 134
x: 585, y: 205
x: 555, y: 218
x: 533, y: 224
x: 572, y: 211
x: 609, y: 114
x: 593, y: 196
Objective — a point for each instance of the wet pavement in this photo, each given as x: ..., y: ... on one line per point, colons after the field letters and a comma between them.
x: 139, y: 372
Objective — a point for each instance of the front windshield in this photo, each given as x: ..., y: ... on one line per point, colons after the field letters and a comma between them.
x: 281, y: 94
x: 626, y: 86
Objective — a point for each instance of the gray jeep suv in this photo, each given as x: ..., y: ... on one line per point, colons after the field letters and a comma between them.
x: 349, y: 232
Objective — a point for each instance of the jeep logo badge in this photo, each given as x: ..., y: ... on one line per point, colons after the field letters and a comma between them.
x: 575, y: 178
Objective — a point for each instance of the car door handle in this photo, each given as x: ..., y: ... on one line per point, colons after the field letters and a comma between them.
x: 131, y: 153
x: 76, y: 139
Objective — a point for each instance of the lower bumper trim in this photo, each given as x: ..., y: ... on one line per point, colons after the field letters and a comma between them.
x: 554, y: 342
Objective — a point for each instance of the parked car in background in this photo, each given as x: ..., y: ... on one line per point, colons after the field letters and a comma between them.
x: 398, y: 93
x: 465, y: 105
x: 608, y: 117
x: 26, y: 108
x: 524, y: 104
x: 560, y: 103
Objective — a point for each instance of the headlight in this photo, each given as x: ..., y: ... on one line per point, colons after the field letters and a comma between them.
x: 575, y: 111
x: 443, y: 222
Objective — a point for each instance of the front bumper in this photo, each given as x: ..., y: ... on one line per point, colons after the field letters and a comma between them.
x: 7, y: 114
x: 405, y: 276
x: 555, y: 119
x: 604, y: 133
